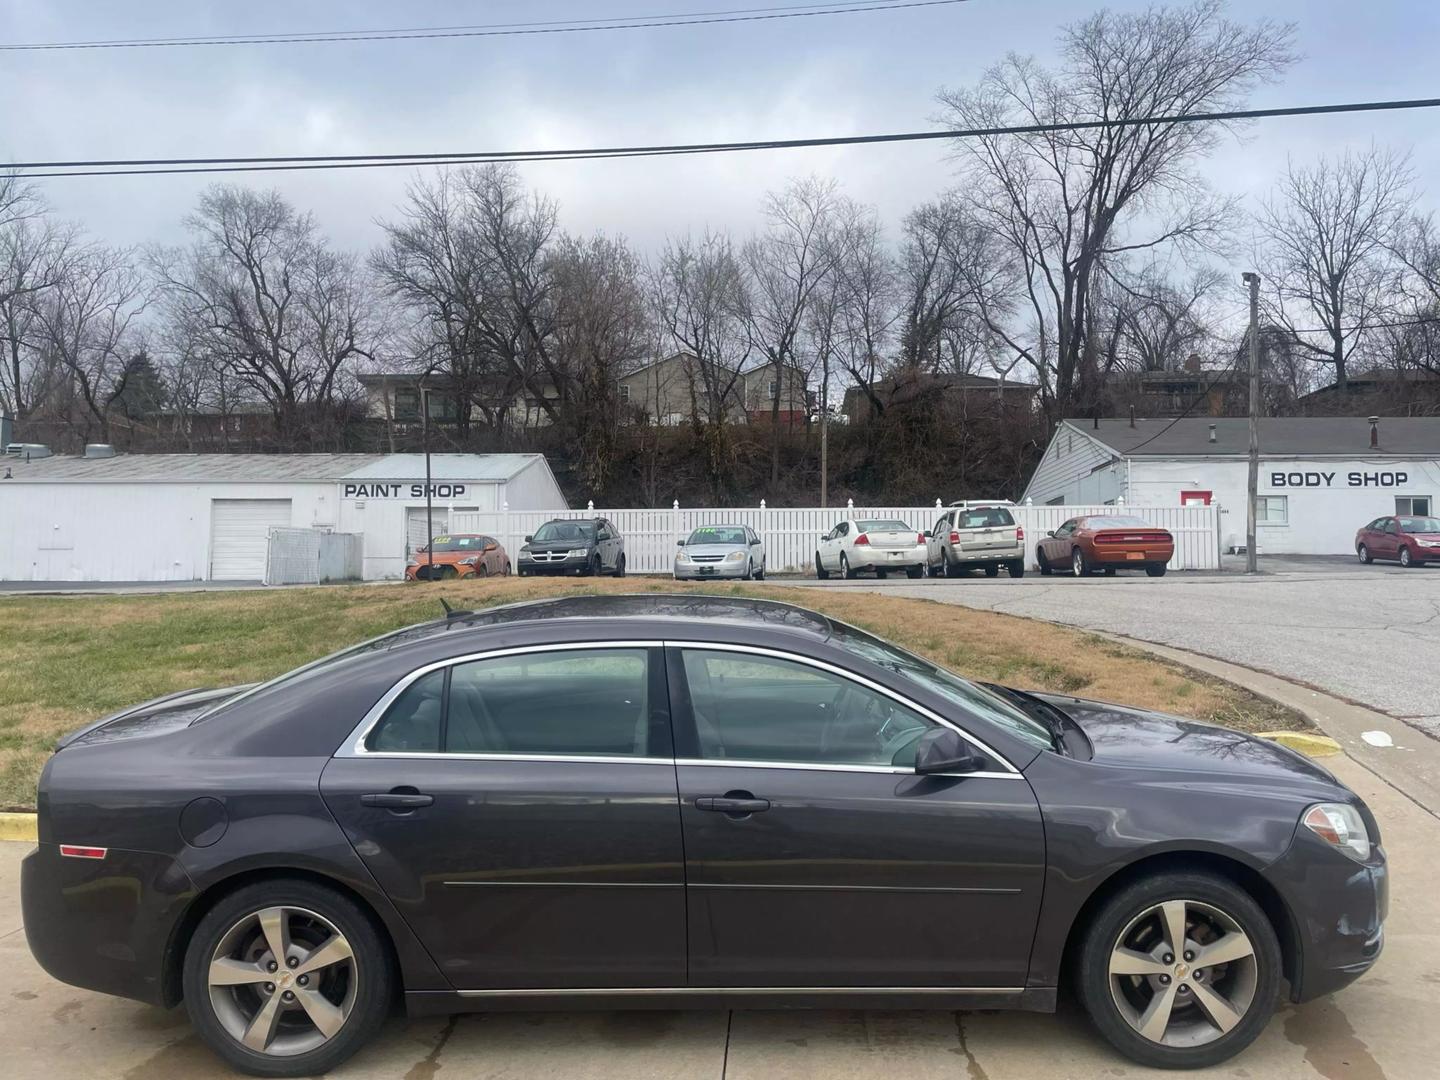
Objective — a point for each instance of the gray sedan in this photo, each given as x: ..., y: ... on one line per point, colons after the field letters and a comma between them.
x: 720, y: 551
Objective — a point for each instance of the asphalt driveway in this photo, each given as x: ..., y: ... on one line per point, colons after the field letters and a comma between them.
x: 1382, y: 1028
x: 1370, y: 634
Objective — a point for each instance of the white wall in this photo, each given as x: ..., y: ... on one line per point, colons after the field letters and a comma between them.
x: 128, y: 531
x: 1325, y: 510
x: 1076, y: 469
x: 381, y: 519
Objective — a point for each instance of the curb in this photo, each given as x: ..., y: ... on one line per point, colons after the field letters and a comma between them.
x: 1304, y: 742
x: 18, y: 827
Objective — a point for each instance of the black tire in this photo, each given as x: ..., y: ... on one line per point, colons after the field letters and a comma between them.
x: 915, y: 571
x: 1409, y: 561
x: 954, y: 569
x: 1155, y: 570
x: 594, y: 569
x: 1093, y: 980
x: 1016, y: 568
x: 1363, y: 551
x: 820, y: 571
x: 882, y: 573
x: 1079, y: 564
x: 620, y: 565
x: 1045, y: 568
x: 448, y: 573
x: 760, y: 574
x: 1109, y: 571
x: 992, y: 569
x: 376, y: 979
x: 846, y: 570
x: 749, y: 574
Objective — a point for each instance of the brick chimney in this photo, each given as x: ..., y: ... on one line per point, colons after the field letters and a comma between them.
x: 1374, y: 432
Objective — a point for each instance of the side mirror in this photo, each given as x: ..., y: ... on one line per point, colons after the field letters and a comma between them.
x: 929, y: 535
x: 529, y: 538
x: 1051, y: 533
x: 490, y: 547
x: 755, y: 542
x: 679, y: 543
x: 944, y: 751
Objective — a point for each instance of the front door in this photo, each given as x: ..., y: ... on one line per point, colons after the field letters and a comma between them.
x: 814, y: 854
x: 520, y: 810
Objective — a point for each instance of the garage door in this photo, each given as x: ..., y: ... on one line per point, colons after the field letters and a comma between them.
x: 416, y: 528
x: 239, y: 533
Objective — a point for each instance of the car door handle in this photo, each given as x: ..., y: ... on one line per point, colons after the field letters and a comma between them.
x: 398, y: 800
x: 730, y: 804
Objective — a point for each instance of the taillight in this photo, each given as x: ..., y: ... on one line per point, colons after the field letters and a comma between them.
x: 1019, y: 532
x: 861, y: 540
x: 954, y: 538
x: 919, y: 538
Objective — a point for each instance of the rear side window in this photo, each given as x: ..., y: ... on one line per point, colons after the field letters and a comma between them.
x: 989, y: 517
x: 412, y: 723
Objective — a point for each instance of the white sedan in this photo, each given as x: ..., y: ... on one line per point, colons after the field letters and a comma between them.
x: 879, y: 544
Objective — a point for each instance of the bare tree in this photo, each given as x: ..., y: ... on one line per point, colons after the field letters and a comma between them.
x: 1062, y: 202
x: 788, y: 263
x: 946, y: 258
x: 1328, y: 234
x: 87, y: 325
x: 1414, y: 338
x: 262, y: 294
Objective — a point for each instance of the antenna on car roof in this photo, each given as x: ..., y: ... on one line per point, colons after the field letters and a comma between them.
x: 454, y: 613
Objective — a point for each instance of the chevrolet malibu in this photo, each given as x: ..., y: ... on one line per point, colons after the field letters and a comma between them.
x: 692, y: 802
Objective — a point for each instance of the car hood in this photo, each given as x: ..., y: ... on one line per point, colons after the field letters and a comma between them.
x: 154, y: 717
x: 710, y: 549
x: 423, y: 558
x: 1429, y: 538
x: 1139, y: 738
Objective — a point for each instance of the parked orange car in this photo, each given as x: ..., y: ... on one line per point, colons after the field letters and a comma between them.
x: 1086, y: 544
x: 457, y: 555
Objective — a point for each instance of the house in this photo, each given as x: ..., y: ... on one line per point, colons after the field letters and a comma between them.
x: 667, y: 391
x: 963, y: 393
x: 1393, y: 391
x: 1321, y: 478
x: 394, y: 397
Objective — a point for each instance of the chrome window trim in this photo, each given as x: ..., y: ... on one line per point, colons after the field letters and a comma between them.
x: 354, y: 744
x: 1009, y: 771
x: 692, y: 991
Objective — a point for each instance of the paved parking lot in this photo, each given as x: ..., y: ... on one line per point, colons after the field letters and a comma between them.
x: 1382, y: 1028
x: 1370, y: 634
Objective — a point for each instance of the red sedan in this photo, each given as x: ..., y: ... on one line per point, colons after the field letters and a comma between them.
x: 1085, y: 544
x: 1408, y: 540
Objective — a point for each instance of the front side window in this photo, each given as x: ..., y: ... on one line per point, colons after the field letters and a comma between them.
x: 761, y: 708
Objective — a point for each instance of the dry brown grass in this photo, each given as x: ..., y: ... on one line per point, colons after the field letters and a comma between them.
x: 67, y: 660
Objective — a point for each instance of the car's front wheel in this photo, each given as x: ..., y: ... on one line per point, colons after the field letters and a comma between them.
x: 820, y: 571
x: 287, y: 978
x: 1043, y: 563
x: 1408, y: 560
x: 620, y: 566
x: 1363, y: 551
x: 1180, y: 970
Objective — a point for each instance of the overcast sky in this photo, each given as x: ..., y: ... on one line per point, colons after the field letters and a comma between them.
x: 857, y: 73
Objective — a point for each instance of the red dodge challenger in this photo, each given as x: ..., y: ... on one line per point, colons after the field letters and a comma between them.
x: 1110, y: 542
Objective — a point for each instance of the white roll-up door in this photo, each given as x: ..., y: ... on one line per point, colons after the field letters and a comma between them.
x: 239, y: 533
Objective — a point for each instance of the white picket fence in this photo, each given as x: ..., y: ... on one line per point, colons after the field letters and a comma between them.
x: 791, y: 533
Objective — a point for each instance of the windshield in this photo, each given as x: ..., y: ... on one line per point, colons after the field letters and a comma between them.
x: 883, y: 525
x: 718, y: 534
x: 559, y: 531
x: 987, y: 518
x: 458, y: 543
x: 971, y: 698
x: 1420, y: 525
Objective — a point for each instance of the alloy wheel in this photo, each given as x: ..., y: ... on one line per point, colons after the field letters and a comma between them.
x: 283, y: 981
x: 1183, y: 973
x: 1405, y: 557
x: 1077, y: 562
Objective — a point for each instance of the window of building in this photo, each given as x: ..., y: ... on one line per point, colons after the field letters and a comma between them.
x: 625, y: 392
x: 773, y: 389
x: 407, y: 403
x: 1272, y: 510
x: 762, y: 708
x: 1416, y: 505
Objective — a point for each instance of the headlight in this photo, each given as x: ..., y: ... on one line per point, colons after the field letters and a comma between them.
x: 471, y: 561
x: 1340, y: 825
x: 735, y: 556
x: 525, y: 553
x: 680, y: 556
x: 577, y: 553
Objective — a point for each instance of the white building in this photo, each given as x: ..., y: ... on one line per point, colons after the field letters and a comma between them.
x: 186, y: 517
x: 1321, y: 478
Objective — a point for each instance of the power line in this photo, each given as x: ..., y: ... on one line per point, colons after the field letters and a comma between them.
x: 163, y: 166
x: 523, y: 29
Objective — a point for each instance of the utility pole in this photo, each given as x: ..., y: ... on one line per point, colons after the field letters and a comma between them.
x: 1253, y: 486
x: 429, y: 487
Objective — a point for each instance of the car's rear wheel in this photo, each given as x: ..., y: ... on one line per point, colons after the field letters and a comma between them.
x: 1045, y: 569
x: 953, y: 569
x: 915, y: 571
x: 846, y: 569
x: 1079, y: 565
x: 1156, y: 569
x: 286, y: 978
x: 1363, y: 551
x: 1017, y: 568
x: 820, y: 571
x: 1180, y: 970
x: 992, y: 569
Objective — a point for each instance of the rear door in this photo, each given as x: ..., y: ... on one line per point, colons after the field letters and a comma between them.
x: 816, y: 857
x: 520, y: 809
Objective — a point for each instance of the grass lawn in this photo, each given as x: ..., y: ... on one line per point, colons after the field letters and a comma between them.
x: 68, y: 660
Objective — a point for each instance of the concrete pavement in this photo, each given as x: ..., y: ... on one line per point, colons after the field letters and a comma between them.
x: 1382, y: 1028
x: 1369, y: 634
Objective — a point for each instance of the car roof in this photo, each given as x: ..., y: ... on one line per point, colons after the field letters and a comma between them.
x: 678, y: 611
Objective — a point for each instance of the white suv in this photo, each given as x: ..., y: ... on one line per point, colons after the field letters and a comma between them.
x: 975, y: 535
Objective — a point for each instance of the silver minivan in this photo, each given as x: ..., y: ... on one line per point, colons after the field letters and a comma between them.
x: 976, y: 536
